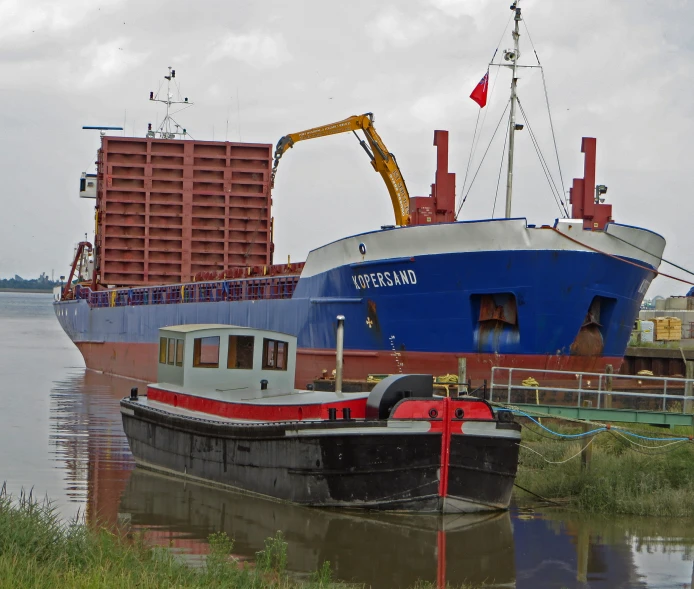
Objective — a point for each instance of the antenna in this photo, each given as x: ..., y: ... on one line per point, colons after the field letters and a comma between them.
x: 238, y: 113
x: 226, y: 135
x: 169, y: 128
x: 512, y: 55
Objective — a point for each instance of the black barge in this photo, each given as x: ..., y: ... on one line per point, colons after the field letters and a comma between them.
x: 225, y: 412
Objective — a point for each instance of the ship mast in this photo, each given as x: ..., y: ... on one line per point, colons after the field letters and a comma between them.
x: 169, y: 128
x: 512, y: 55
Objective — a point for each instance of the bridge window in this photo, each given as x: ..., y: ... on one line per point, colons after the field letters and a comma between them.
x: 274, y: 354
x: 240, y: 355
x: 206, y: 352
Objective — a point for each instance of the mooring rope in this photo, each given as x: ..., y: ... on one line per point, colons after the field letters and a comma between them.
x: 643, y: 267
x: 581, y: 451
x: 558, y: 434
x: 536, y: 495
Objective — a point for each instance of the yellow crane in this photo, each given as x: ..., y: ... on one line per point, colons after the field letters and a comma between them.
x: 382, y: 160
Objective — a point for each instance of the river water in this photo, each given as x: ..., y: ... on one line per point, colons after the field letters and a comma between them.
x: 61, y: 436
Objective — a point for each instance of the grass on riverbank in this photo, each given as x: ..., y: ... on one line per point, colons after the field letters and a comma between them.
x: 623, y: 478
x: 38, y: 550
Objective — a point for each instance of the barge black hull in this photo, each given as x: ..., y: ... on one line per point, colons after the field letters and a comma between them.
x: 345, y: 464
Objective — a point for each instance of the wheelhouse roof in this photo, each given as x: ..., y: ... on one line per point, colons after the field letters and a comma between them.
x: 193, y: 327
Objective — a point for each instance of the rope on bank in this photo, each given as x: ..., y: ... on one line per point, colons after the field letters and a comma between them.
x: 558, y: 434
x: 621, y: 435
x: 537, y: 433
x: 536, y: 495
x: 514, y: 409
x: 651, y: 450
x: 581, y: 451
x: 640, y: 437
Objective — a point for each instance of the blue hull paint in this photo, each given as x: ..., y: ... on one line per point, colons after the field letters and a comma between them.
x: 437, y: 310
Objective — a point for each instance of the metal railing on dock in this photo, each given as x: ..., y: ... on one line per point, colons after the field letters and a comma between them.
x: 632, y: 398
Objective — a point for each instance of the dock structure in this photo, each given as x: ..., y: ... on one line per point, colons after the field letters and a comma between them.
x: 602, y: 414
x: 659, y: 360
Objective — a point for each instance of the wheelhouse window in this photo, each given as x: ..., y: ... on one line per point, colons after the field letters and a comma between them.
x: 240, y: 355
x: 179, y: 352
x: 206, y: 352
x: 274, y: 354
x: 172, y: 351
x: 162, y: 350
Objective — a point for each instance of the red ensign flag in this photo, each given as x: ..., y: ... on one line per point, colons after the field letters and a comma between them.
x: 479, y: 94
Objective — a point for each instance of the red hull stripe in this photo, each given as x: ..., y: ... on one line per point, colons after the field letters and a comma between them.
x: 256, y: 412
x: 445, y: 446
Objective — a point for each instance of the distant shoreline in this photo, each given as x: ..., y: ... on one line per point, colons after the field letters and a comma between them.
x: 34, y: 290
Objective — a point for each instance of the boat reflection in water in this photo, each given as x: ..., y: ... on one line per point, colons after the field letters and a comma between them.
x: 87, y: 439
x: 380, y: 550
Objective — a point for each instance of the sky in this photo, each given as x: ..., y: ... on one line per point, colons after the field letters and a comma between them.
x: 256, y: 70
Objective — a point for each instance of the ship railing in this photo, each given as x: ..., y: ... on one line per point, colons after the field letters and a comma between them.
x: 596, y: 389
x: 250, y: 289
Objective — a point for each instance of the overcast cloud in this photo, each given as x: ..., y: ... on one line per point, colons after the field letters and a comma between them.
x: 616, y: 70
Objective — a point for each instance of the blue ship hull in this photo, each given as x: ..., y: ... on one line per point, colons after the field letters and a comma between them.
x: 536, y: 299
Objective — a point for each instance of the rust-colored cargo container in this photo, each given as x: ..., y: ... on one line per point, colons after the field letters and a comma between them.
x: 170, y: 209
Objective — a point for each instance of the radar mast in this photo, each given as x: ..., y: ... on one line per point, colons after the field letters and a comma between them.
x: 169, y: 128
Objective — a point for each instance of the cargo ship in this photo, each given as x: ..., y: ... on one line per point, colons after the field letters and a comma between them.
x: 184, y: 236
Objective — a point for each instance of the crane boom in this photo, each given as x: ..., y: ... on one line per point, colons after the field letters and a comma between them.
x: 382, y: 160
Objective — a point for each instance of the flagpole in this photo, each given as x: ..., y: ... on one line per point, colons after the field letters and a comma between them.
x: 512, y: 116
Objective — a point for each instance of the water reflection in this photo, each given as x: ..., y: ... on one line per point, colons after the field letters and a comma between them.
x: 654, y: 552
x: 86, y: 434
x: 380, y: 551
x: 568, y: 549
x: 561, y: 549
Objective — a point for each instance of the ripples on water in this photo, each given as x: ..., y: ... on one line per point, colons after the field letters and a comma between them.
x: 61, y: 434
x: 86, y: 435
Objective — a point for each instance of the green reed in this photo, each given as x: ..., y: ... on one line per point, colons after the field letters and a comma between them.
x: 622, y: 478
x: 40, y: 550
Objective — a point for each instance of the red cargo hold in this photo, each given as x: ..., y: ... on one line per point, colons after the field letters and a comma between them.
x: 169, y: 209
